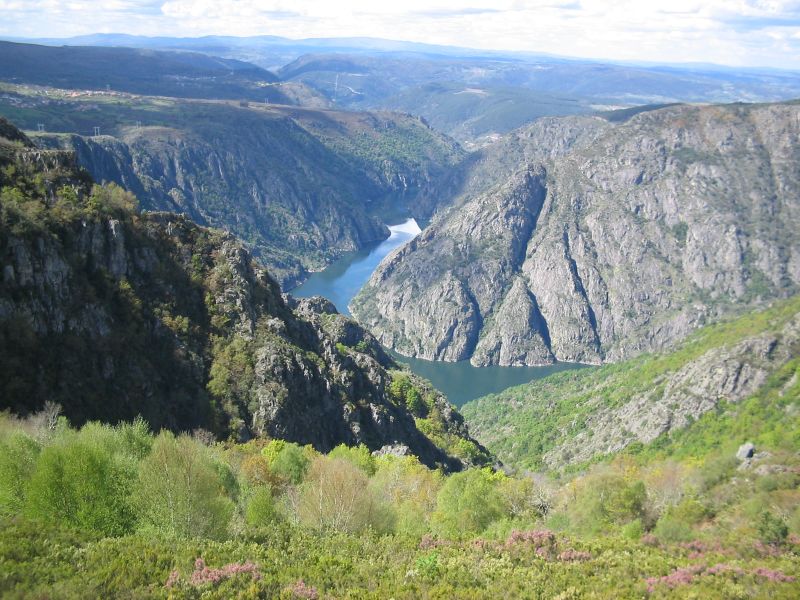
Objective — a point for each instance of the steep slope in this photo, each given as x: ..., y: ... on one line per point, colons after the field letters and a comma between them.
x: 112, y: 314
x: 300, y: 186
x: 728, y: 384
x: 601, y: 240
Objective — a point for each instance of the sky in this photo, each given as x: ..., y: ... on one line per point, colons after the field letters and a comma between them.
x: 763, y: 33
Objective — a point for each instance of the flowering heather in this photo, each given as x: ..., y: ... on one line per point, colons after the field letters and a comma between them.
x: 537, y: 539
x: 697, y: 549
x: 648, y: 539
x: 173, y: 579
x: 203, y: 574
x: 694, y: 546
x: 677, y: 578
x: 720, y: 568
x: 686, y: 575
x: 763, y: 549
x: 771, y: 575
x: 299, y: 589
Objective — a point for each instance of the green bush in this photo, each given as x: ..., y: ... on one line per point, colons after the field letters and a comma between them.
x: 359, y: 456
x: 262, y: 508
x: 81, y: 485
x: 672, y: 530
x: 336, y: 497
x: 179, y: 491
x: 772, y: 529
x: 18, y: 455
x: 291, y: 462
x: 604, y: 498
x: 467, y: 504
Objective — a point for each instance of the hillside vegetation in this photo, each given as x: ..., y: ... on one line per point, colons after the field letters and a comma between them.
x: 152, y: 72
x: 117, y: 511
x: 729, y: 383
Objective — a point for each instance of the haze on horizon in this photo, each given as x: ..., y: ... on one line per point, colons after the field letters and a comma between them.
x: 763, y: 33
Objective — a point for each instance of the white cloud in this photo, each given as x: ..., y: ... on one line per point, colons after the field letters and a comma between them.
x: 738, y: 32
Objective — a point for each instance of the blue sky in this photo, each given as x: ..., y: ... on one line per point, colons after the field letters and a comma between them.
x: 732, y: 32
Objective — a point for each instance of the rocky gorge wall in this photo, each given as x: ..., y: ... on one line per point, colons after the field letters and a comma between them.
x: 599, y: 241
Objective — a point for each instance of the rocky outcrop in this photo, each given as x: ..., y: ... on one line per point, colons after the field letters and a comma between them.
x: 598, y: 241
x: 586, y: 414
x: 728, y: 374
x: 114, y: 314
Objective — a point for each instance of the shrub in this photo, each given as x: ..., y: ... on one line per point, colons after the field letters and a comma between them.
x: 633, y: 530
x: 336, y: 496
x: 772, y: 529
x: 179, y: 491
x: 604, y: 498
x: 18, y: 456
x: 291, y: 463
x: 360, y: 456
x: 410, y: 488
x: 670, y: 529
x: 467, y: 504
x: 80, y: 484
x: 262, y: 508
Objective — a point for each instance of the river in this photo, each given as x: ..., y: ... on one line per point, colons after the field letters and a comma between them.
x: 460, y: 381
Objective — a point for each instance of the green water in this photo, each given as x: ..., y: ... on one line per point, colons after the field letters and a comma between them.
x: 460, y: 381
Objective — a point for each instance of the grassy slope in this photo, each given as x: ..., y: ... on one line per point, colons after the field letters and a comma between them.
x: 522, y: 423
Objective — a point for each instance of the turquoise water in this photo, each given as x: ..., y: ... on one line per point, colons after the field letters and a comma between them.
x: 460, y: 381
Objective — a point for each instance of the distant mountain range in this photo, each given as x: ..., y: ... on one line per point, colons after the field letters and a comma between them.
x: 469, y: 94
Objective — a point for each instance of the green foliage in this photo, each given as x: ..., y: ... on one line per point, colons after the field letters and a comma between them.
x: 291, y: 462
x: 18, y: 456
x: 80, y: 484
x: 522, y: 424
x: 336, y: 497
x: 772, y: 529
x: 467, y: 504
x: 179, y: 491
x: 108, y: 199
x: 360, y: 456
x: 231, y: 377
x: 340, y: 527
x: 262, y: 508
x: 605, y: 498
x: 671, y: 530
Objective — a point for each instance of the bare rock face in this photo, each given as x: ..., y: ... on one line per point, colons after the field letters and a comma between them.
x: 599, y: 241
x: 745, y: 451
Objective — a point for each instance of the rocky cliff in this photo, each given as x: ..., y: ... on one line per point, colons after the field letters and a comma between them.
x: 111, y: 313
x: 299, y: 186
x: 744, y: 369
x: 593, y: 240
